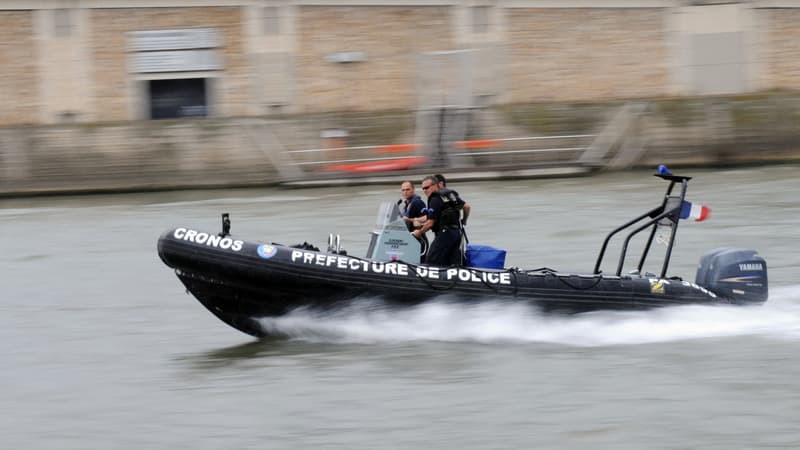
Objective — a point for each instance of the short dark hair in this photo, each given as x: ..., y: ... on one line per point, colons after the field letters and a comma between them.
x: 433, y: 179
x: 440, y: 179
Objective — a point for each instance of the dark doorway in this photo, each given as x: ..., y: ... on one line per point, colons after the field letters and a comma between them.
x: 170, y: 99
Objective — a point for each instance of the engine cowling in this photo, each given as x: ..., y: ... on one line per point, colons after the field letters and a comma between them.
x: 734, y: 273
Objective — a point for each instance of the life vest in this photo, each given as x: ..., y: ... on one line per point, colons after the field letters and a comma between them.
x: 451, y: 209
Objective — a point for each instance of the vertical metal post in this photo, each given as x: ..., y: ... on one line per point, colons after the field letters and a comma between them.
x: 684, y: 185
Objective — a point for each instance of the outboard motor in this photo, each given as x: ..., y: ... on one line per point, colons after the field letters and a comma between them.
x: 734, y: 273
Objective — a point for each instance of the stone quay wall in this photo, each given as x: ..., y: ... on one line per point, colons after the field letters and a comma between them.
x: 200, y: 153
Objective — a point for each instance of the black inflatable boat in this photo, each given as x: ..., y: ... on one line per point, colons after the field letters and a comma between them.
x: 241, y: 281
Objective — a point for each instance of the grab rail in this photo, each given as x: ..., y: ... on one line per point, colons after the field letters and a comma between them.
x: 656, y: 214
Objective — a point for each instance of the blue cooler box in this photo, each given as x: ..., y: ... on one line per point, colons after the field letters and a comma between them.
x: 485, y: 257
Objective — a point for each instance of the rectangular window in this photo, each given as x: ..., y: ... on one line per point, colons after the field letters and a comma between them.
x: 62, y: 22
x: 271, y: 20
x: 171, y: 99
x: 480, y: 19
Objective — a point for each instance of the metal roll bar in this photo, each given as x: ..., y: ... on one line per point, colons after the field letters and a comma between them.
x: 670, y: 209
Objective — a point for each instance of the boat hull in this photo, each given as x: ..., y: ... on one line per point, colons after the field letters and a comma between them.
x: 241, y: 281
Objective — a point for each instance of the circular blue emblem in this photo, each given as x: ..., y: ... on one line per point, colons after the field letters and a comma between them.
x: 267, y: 251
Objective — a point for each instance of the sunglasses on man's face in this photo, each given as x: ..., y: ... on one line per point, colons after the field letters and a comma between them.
x: 425, y: 188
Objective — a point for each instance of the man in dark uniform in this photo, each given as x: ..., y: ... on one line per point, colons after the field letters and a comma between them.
x: 412, y: 207
x: 444, y: 218
x: 442, y: 181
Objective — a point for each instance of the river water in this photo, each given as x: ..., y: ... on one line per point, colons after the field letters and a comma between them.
x: 103, y: 349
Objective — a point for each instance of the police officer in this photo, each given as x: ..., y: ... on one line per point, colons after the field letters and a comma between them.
x: 443, y: 185
x: 442, y: 181
x: 444, y: 218
x: 412, y: 207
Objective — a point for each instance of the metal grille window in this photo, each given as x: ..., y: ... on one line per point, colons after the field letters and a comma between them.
x: 271, y: 20
x: 480, y: 19
x: 62, y: 22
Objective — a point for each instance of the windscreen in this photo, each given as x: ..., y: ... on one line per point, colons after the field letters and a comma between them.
x: 387, y: 213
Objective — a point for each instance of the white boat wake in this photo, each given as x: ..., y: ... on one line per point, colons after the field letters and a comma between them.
x: 370, y: 321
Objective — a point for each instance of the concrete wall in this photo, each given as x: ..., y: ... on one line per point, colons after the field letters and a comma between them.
x: 527, y: 51
x: 71, y: 105
x: 117, y: 94
x: 781, y: 52
x: 389, y: 37
x: 560, y: 54
x: 63, y: 71
x: 132, y: 156
x: 146, y: 155
x: 19, y: 86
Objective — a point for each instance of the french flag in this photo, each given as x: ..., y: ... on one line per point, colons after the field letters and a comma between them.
x: 697, y: 212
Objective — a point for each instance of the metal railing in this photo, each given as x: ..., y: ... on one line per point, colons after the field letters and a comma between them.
x: 526, y: 150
